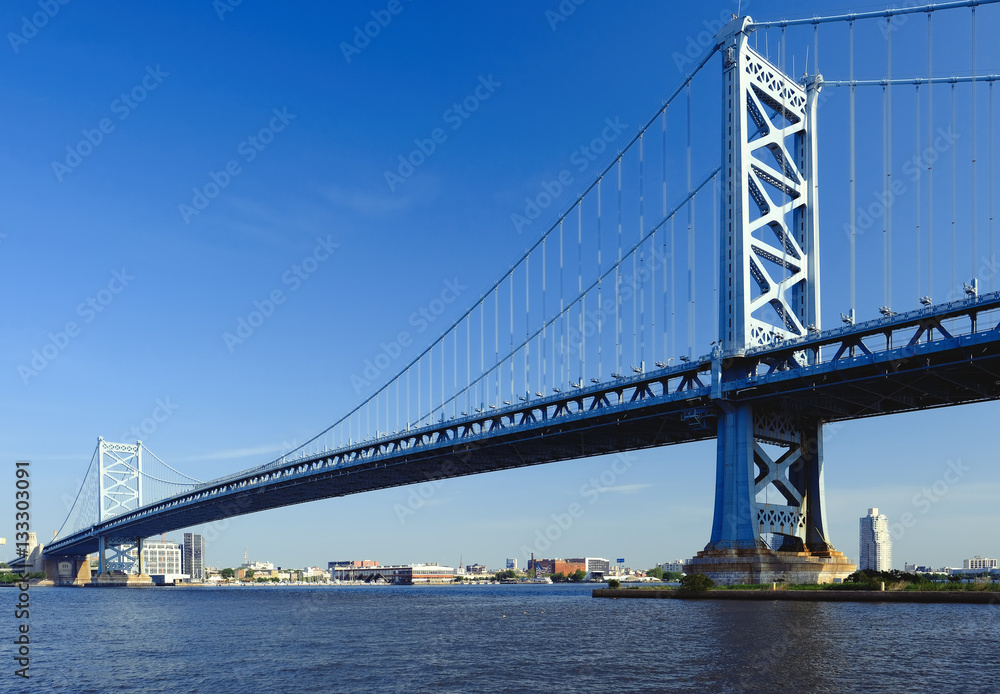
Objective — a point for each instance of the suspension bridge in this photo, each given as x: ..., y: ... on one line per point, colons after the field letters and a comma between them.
x: 678, y: 299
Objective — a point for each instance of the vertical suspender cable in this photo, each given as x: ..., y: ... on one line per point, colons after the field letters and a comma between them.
x: 579, y: 289
x: 600, y: 275
x: 691, y: 274
x: 512, y: 398
x: 637, y: 276
x: 993, y: 260
x: 885, y: 204
x: 888, y: 157
x: 887, y: 185
x: 618, y: 279
x: 954, y: 197
x: 562, y: 308
x: 673, y: 286
x: 930, y: 160
x: 853, y: 203
x: 527, y: 327
x: 545, y: 328
x: 715, y: 244
x: 496, y: 342
x: 663, y: 125
x: 916, y: 133
x: 975, y: 210
x: 468, y: 357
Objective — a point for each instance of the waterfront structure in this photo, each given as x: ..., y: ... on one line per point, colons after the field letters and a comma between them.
x: 596, y: 567
x: 978, y: 562
x: 402, y: 574
x: 194, y: 557
x: 590, y: 565
x: 875, y: 551
x: 161, y: 561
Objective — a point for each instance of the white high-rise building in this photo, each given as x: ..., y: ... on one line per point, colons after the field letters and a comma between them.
x: 876, y: 542
x: 162, y: 559
x: 978, y: 562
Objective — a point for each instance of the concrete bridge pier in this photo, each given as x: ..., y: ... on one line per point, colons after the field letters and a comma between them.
x: 67, y: 570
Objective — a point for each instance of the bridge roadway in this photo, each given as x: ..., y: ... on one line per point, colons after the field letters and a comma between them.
x: 938, y: 356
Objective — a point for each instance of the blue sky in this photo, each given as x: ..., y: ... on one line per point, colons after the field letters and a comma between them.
x: 167, y: 166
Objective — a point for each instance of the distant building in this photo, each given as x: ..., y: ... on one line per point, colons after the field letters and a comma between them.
x: 356, y: 563
x: 542, y: 566
x: 668, y: 566
x: 409, y: 574
x: 978, y: 562
x: 596, y: 565
x: 875, y: 552
x: 917, y: 569
x: 194, y: 557
x: 512, y: 564
x: 161, y: 561
x: 476, y: 570
x: 589, y: 565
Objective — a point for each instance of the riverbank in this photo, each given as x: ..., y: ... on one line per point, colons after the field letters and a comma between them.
x: 916, y: 596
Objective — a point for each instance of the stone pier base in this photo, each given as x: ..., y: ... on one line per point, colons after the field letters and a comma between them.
x: 117, y: 579
x: 736, y: 566
x: 67, y: 571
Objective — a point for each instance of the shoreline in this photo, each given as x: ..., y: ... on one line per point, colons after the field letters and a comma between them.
x: 905, y: 596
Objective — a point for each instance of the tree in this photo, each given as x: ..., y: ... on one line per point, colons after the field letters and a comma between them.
x: 578, y: 575
x: 559, y: 577
x: 696, y: 583
x: 673, y: 576
x: 614, y: 583
x: 655, y: 572
x: 507, y: 574
x: 249, y: 574
x: 227, y: 573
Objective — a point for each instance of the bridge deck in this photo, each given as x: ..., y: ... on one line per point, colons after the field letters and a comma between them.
x: 940, y: 356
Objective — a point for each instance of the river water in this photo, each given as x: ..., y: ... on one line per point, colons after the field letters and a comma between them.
x: 489, y: 639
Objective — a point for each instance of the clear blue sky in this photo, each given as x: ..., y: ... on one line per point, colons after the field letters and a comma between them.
x: 114, y: 114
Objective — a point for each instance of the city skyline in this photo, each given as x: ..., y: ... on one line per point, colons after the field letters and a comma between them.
x: 162, y: 285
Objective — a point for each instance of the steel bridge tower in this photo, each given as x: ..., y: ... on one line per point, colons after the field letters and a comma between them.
x: 769, y: 475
